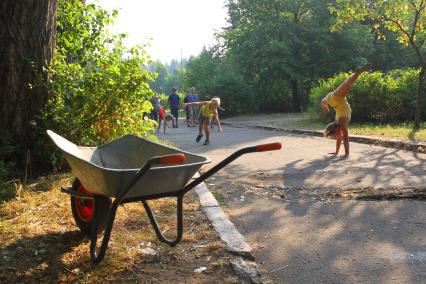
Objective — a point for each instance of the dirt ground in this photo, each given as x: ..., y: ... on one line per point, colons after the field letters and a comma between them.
x: 40, y: 243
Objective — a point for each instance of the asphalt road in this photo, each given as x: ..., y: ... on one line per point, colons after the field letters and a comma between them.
x: 303, y: 239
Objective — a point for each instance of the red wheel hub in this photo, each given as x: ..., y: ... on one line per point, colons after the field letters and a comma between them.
x: 85, y: 207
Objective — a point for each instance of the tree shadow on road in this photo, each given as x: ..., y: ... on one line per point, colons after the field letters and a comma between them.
x: 309, y: 240
x: 336, y: 241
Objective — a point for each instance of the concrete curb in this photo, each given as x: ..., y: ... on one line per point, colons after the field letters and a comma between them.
x: 419, y: 147
x: 235, y: 242
x: 244, y: 266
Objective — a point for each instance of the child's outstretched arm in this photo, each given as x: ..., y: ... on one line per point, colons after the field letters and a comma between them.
x: 195, y: 104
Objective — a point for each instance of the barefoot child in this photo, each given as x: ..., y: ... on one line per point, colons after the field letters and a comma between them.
x: 337, y: 100
x: 207, y: 112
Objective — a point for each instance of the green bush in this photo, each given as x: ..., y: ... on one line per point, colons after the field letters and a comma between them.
x: 235, y: 95
x: 375, y: 97
x: 100, y: 88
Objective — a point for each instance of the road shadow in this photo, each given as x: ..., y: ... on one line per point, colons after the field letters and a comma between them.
x: 376, y: 168
x: 337, y: 241
x: 306, y: 240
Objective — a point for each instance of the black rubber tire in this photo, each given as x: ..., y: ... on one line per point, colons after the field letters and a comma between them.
x: 104, y: 204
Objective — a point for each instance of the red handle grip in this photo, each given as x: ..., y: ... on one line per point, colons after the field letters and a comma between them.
x: 173, y: 159
x: 268, y: 147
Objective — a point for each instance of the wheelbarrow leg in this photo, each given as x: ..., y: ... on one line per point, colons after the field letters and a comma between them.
x: 179, y: 224
x: 95, y: 256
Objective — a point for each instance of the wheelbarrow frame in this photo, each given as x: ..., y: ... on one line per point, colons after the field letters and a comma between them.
x: 97, y: 254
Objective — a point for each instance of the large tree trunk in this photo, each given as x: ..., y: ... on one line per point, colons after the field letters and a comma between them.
x: 296, y: 96
x: 27, y: 41
x: 420, y: 94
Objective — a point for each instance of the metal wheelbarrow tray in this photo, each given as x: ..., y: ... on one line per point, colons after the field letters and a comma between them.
x: 131, y: 169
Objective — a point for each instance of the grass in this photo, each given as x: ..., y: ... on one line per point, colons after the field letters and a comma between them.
x: 10, y: 189
x: 402, y: 131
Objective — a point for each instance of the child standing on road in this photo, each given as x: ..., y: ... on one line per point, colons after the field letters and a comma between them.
x: 207, y: 112
x: 161, y: 118
x: 174, y: 101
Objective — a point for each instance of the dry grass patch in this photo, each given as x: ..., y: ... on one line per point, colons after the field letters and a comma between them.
x: 39, y: 242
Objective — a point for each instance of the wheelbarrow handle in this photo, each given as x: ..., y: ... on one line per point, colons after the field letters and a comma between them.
x: 165, y: 160
x: 265, y: 147
x: 172, y: 159
x: 231, y: 158
x: 258, y: 148
x: 268, y: 147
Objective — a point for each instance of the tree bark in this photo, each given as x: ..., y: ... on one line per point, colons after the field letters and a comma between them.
x: 27, y: 42
x: 296, y: 96
x: 420, y: 94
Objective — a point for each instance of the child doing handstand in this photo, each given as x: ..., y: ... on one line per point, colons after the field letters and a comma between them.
x: 337, y: 100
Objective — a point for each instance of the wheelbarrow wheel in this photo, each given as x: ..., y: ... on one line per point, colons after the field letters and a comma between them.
x: 83, y: 210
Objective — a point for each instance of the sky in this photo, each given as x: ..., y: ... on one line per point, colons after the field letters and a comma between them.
x: 174, y: 28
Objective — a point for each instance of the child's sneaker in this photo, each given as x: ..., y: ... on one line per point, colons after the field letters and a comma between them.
x: 198, y: 138
x: 207, y: 142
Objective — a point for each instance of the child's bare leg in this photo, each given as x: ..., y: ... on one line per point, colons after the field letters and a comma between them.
x: 200, y: 129
x: 159, y: 125
x: 343, y: 122
x: 207, y: 130
x: 346, y: 141
x: 343, y: 89
x: 164, y: 126
x: 338, y: 140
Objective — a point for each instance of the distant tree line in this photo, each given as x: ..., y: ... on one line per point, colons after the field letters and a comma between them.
x: 272, y: 53
x: 169, y: 75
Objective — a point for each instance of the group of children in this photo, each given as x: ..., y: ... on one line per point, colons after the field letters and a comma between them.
x: 336, y: 99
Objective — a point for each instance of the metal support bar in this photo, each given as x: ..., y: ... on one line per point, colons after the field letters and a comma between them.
x: 179, y: 224
x: 95, y: 256
x: 76, y: 193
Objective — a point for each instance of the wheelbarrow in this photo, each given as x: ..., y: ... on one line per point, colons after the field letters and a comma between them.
x: 131, y: 169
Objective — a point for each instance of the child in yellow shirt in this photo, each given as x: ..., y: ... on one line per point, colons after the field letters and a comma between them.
x: 337, y: 100
x: 207, y: 112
